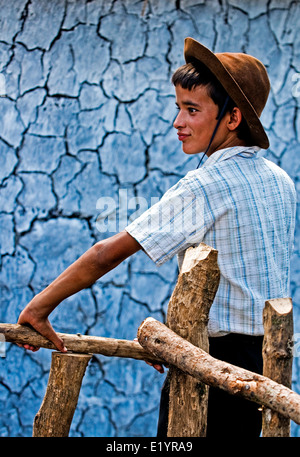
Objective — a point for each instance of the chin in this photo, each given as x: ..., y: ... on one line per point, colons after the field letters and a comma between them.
x: 189, y: 152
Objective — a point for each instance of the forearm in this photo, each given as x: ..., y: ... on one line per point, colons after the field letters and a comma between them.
x: 98, y: 260
x: 93, y: 264
x: 80, y: 275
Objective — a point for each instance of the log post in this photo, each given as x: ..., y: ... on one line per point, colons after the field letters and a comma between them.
x: 277, y: 359
x: 187, y: 316
x: 56, y: 412
x: 157, y: 338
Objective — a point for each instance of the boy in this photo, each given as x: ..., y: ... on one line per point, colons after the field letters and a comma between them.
x: 247, y: 212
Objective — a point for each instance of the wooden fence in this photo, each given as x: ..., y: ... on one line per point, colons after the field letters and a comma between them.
x: 183, y: 344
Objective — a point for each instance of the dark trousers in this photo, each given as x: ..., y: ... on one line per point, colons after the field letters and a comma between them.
x: 228, y: 415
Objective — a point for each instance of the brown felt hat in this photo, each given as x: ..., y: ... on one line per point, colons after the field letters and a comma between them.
x: 244, y: 78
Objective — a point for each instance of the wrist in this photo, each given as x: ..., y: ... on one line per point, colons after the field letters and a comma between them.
x: 39, y: 307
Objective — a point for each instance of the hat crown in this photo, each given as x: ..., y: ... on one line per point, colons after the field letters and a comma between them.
x: 251, y: 76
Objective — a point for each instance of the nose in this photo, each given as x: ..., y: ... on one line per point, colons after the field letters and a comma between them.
x: 179, y: 121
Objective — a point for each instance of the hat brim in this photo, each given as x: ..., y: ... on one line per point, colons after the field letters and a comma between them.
x: 195, y: 50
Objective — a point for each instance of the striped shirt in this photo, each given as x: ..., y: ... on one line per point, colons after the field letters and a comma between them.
x: 242, y: 205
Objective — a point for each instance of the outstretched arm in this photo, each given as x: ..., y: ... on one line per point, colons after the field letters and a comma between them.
x: 94, y: 263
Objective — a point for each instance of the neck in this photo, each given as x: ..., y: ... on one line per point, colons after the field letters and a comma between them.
x: 228, y: 143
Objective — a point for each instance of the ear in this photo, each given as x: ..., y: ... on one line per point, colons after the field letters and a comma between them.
x: 235, y: 119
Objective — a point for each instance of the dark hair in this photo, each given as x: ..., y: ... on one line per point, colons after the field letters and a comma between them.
x: 195, y: 74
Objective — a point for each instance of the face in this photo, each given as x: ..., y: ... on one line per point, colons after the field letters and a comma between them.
x: 196, y: 120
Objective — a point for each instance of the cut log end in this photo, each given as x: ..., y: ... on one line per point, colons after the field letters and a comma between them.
x: 281, y: 306
x: 195, y: 255
x: 145, y: 322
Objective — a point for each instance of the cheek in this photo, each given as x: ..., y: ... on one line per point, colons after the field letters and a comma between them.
x: 199, y: 127
x: 205, y: 124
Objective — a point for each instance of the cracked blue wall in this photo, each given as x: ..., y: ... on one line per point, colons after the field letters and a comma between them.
x: 87, y: 111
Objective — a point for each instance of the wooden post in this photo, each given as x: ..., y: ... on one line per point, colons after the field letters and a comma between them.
x: 277, y: 359
x: 56, y: 412
x: 187, y: 316
x: 157, y: 338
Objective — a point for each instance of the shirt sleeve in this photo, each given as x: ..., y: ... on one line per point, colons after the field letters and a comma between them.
x: 171, y: 225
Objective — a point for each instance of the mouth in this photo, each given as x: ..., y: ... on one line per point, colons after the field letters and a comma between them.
x: 182, y: 136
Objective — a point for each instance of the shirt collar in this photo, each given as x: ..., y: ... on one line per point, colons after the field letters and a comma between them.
x: 227, y: 153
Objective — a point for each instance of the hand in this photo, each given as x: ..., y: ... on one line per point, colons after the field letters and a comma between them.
x: 159, y: 367
x: 32, y: 315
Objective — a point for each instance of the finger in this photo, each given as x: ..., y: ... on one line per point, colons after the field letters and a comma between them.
x: 58, y: 342
x: 28, y: 347
x: 158, y: 367
x: 46, y: 330
x: 31, y: 348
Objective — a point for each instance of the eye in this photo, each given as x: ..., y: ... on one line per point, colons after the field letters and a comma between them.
x: 192, y: 110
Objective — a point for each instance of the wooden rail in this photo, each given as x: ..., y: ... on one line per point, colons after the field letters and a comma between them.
x: 83, y: 344
x: 177, y: 351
